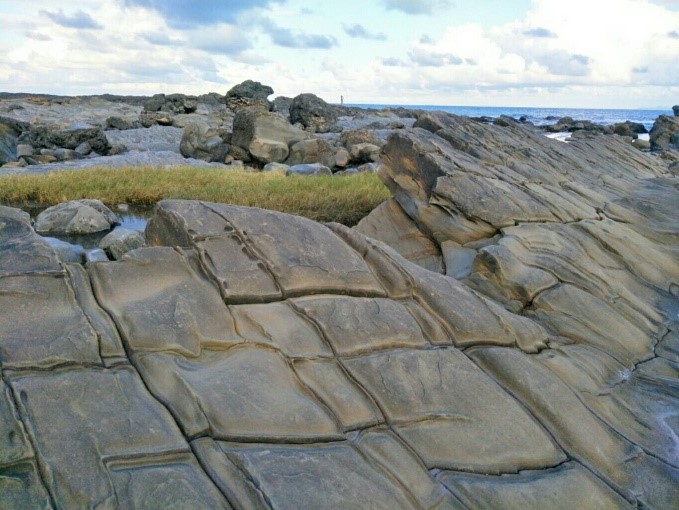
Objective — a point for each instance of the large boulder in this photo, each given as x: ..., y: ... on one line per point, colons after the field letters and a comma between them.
x: 665, y: 133
x: 50, y: 137
x: 249, y: 94
x: 76, y: 217
x: 200, y: 141
x: 313, y: 150
x: 313, y: 113
x: 264, y: 135
x: 675, y: 110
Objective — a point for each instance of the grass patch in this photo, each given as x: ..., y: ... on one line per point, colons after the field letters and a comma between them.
x: 322, y: 198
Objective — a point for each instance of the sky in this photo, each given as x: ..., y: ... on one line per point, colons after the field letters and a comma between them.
x: 535, y: 53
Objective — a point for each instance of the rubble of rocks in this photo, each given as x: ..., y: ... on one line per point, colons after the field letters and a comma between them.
x: 42, y: 133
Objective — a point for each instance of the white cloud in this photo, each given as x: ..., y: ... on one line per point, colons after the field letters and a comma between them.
x: 581, y: 52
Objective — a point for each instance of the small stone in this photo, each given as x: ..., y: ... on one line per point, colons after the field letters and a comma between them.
x: 65, y: 154
x: 367, y: 167
x: 121, y: 240
x: 96, y: 255
x: 309, y: 169
x: 83, y: 149
x: 276, y: 167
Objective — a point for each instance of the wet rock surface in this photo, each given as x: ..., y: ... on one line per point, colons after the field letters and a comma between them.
x: 252, y: 359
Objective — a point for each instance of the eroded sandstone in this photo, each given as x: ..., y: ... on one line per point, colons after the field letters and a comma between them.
x: 253, y: 359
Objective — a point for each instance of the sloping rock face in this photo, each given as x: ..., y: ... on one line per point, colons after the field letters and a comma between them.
x: 583, y: 238
x: 253, y: 359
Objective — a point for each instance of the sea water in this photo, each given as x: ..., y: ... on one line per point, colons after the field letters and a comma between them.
x: 542, y: 116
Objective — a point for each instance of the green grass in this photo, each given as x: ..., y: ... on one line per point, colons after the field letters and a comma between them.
x: 321, y: 198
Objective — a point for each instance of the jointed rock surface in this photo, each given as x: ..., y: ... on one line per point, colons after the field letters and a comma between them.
x: 252, y: 359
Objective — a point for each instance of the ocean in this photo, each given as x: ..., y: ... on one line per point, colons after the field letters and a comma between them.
x: 541, y: 116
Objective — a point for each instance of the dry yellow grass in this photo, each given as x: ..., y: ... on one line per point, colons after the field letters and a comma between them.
x: 321, y: 198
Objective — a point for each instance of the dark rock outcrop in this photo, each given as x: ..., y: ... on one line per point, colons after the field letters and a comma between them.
x: 249, y: 94
x: 172, y: 103
x: 49, y: 137
x: 313, y: 113
x: 665, y: 133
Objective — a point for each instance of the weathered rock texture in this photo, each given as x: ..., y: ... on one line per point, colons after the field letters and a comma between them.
x: 264, y: 136
x: 253, y: 359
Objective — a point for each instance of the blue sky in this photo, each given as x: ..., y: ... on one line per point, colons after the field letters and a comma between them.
x: 568, y: 53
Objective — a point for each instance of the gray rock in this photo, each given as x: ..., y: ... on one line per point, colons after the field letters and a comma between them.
x: 281, y: 105
x: 118, y: 123
x: 275, y: 167
x: 315, y: 114
x: 309, y: 169
x: 148, y: 119
x: 24, y: 150
x: 368, y: 167
x: 661, y: 135
x: 364, y: 153
x: 8, y: 145
x: 675, y: 110
x: 121, y: 240
x: 173, y: 103
x: 76, y: 217
x: 96, y: 255
x: 249, y: 94
x: 199, y: 141
x: 62, y: 154
x: 311, y: 151
x: 155, y: 103
x: 67, y: 252
x: 154, y: 138
x: 264, y: 135
x: 359, y: 136
x: 341, y: 158
x: 51, y: 138
x: 84, y: 149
